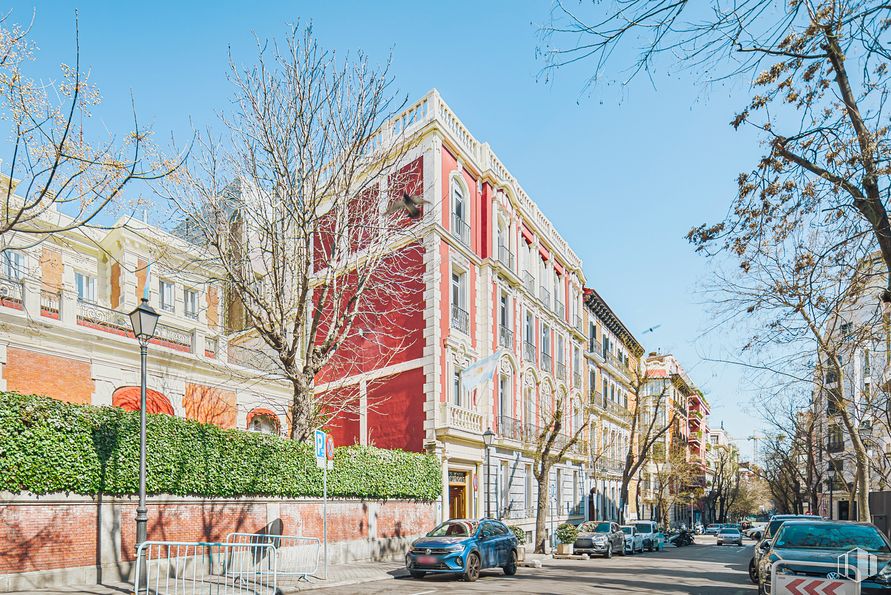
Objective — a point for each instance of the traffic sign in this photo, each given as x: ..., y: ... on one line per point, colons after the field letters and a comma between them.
x: 329, y: 448
x: 320, y: 442
x: 790, y: 584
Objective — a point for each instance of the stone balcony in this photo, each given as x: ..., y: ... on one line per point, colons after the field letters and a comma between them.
x: 459, y: 418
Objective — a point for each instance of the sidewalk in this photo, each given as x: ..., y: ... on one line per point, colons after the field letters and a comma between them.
x: 339, y: 575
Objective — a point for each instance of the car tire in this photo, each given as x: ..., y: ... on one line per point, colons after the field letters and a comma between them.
x: 753, y: 571
x: 511, y: 568
x: 417, y: 573
x: 471, y: 568
x: 609, y: 551
x: 624, y: 551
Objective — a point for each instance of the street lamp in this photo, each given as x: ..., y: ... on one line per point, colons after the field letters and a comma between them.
x: 831, y: 474
x: 144, y: 320
x: 488, y: 436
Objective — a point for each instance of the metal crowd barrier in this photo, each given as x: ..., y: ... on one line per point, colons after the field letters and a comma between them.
x: 294, y: 556
x: 197, y: 568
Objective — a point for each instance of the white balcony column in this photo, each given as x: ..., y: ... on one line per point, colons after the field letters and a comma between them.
x: 444, y: 507
x: 31, y: 296
x: 68, y: 299
x: 198, y: 337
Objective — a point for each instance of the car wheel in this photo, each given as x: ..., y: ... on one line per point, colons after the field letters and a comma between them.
x: 472, y: 570
x: 650, y: 547
x: 511, y: 568
x: 624, y: 551
x: 417, y: 573
x: 609, y: 551
x: 753, y: 571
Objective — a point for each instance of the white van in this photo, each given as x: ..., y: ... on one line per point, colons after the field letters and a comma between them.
x: 650, y: 534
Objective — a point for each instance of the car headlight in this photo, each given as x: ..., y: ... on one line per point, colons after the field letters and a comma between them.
x: 599, y: 538
x: 455, y: 548
x: 884, y: 574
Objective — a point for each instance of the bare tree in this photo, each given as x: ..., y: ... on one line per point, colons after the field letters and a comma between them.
x: 310, y: 206
x: 59, y: 173
x: 827, y: 149
x: 552, y: 439
x: 651, y: 417
x: 673, y: 478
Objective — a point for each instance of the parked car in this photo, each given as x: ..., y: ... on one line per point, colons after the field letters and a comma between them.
x: 601, y: 538
x: 649, y: 534
x: 633, y: 539
x: 729, y: 535
x: 755, y: 531
x: 769, y: 531
x: 713, y: 529
x: 824, y: 542
x: 464, y: 547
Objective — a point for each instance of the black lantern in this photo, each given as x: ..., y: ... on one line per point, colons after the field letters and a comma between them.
x: 144, y: 320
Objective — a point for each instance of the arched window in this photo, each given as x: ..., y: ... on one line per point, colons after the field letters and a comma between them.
x: 263, y: 421
x: 505, y: 398
x: 127, y: 398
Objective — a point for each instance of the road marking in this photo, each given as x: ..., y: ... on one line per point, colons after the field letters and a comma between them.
x: 423, y: 592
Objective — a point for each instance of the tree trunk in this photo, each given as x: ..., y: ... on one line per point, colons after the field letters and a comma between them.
x: 301, y: 409
x: 623, y: 498
x: 541, y: 508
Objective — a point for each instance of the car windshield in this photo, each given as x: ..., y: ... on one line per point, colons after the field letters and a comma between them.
x: 628, y: 530
x: 593, y: 527
x: 644, y: 528
x: 831, y: 536
x: 729, y: 531
x: 454, y: 529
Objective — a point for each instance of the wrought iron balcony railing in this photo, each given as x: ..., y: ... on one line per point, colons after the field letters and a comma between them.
x: 505, y: 256
x: 529, y: 282
x: 460, y: 319
x: 529, y: 351
x: 559, y: 309
x: 545, y: 296
x: 505, y: 337
x: 460, y: 229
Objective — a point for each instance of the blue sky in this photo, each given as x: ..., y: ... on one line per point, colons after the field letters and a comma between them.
x: 623, y: 173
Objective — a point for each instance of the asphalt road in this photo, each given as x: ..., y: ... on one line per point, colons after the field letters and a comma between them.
x: 701, y: 569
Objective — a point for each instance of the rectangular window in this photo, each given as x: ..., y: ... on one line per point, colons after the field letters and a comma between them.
x: 545, y: 339
x: 530, y: 498
x: 505, y: 485
x: 505, y: 405
x: 456, y: 388
x: 13, y: 264
x: 460, y: 317
x: 504, y: 311
x: 86, y: 288
x: 530, y: 328
x: 165, y: 290
x: 559, y: 491
x: 190, y: 299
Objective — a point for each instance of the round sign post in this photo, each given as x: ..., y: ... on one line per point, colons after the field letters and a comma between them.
x: 329, y: 447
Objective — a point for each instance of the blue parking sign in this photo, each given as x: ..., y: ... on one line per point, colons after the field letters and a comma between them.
x: 320, y: 439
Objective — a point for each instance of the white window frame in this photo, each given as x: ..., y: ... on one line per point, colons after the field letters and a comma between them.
x: 85, y: 285
x: 163, y: 286
x: 13, y: 264
x: 187, y: 293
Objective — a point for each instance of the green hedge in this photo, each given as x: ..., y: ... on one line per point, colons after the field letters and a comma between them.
x: 49, y: 446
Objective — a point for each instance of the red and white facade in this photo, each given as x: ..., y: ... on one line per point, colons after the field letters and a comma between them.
x: 496, y: 275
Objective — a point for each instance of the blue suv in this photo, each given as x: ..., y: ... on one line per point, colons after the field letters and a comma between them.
x: 464, y: 547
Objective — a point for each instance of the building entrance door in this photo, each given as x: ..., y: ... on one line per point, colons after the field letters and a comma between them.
x: 457, y: 495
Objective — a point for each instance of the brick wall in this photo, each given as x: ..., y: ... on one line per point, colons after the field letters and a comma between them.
x: 60, y: 540
x: 26, y: 372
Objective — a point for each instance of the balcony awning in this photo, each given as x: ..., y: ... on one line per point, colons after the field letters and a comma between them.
x: 527, y: 235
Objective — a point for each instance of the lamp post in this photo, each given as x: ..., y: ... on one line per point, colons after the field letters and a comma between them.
x: 831, y: 474
x: 488, y: 436
x: 144, y: 320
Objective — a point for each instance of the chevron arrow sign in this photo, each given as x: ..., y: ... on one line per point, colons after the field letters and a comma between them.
x: 790, y: 584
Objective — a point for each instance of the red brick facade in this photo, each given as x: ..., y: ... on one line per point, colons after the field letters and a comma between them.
x: 26, y: 372
x: 55, y: 533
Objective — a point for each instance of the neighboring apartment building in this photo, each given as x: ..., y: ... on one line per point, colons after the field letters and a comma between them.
x: 64, y: 307
x: 683, y: 410
x: 613, y: 361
